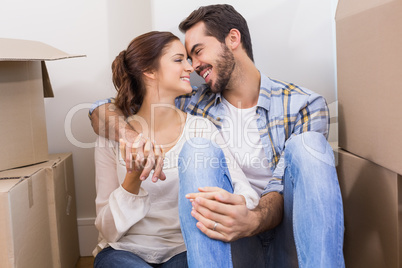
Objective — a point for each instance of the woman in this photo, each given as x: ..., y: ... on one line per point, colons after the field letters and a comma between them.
x: 137, y: 217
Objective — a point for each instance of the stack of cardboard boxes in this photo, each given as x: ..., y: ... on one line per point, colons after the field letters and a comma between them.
x: 38, y: 221
x: 369, y: 57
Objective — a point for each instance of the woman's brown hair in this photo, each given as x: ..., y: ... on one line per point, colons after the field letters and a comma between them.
x: 142, y: 55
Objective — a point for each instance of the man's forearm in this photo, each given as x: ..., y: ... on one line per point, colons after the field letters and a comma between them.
x: 269, y: 212
x: 109, y: 122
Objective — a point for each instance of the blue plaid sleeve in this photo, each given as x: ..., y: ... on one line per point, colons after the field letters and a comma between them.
x: 312, y: 116
x: 98, y: 103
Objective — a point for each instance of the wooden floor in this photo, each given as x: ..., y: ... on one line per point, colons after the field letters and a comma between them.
x: 85, y: 262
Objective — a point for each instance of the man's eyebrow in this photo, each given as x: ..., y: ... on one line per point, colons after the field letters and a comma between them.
x: 193, y: 48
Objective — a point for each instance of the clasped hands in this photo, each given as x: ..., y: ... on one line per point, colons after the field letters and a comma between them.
x: 143, y: 156
x: 220, y: 214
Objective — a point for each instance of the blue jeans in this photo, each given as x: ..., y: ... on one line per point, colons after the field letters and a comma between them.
x: 112, y: 258
x: 202, y: 163
x: 311, y: 232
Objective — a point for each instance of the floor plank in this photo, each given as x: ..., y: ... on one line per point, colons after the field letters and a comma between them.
x: 85, y: 262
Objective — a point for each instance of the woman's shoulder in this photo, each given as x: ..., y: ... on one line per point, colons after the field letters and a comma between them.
x: 200, y: 126
x: 196, y: 121
x: 103, y: 144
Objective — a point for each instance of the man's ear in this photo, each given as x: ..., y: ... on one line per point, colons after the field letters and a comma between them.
x: 233, y: 39
x: 150, y: 74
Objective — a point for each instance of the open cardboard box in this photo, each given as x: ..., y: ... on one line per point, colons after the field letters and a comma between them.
x: 371, y: 197
x: 24, y: 81
x: 369, y: 58
x: 38, y: 218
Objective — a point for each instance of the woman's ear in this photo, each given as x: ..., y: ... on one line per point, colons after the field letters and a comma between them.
x: 233, y: 39
x: 150, y: 74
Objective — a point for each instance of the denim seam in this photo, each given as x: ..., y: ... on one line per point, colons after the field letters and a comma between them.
x: 340, y: 227
x: 294, y: 226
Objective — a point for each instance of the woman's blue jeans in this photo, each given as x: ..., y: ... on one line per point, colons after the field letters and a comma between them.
x: 312, y: 229
x: 113, y: 258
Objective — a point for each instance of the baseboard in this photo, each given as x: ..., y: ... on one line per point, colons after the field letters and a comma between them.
x: 87, y: 235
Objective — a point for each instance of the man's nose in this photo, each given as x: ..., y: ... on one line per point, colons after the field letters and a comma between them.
x: 195, y: 64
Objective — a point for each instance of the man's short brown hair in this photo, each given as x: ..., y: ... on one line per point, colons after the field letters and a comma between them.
x: 219, y: 20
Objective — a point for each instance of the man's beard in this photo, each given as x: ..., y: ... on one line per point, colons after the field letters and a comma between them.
x: 224, y: 69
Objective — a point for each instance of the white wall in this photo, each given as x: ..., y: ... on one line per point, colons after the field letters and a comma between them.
x: 293, y: 41
x: 99, y: 29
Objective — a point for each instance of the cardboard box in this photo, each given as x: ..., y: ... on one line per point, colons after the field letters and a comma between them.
x: 369, y: 56
x: 62, y: 210
x: 24, y: 82
x: 371, y: 198
x: 58, y: 244
x: 24, y: 221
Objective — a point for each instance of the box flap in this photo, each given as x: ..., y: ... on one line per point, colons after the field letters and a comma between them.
x: 47, y: 86
x: 27, y: 50
x: 7, y: 184
x: 19, y: 173
x: 28, y: 171
x: 347, y: 8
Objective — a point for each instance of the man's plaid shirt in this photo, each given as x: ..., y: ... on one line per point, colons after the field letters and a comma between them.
x: 283, y: 109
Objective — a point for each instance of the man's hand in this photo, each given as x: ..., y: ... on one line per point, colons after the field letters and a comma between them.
x: 222, y: 215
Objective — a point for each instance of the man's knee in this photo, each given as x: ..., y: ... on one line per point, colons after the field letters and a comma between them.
x: 202, y: 162
x: 309, y: 146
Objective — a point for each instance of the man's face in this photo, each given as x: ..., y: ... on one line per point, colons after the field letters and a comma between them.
x: 211, y: 59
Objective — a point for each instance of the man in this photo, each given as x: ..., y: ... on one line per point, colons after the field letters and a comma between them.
x: 280, y: 126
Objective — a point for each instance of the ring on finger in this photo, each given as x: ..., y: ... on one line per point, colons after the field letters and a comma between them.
x: 216, y: 224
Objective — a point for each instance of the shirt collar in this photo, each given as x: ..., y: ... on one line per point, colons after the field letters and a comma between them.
x: 264, y: 99
x: 218, y: 98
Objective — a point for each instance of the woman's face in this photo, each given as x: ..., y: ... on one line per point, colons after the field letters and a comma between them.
x: 174, y: 70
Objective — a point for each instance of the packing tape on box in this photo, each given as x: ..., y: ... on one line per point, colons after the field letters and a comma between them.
x: 9, y: 178
x: 30, y: 193
x: 68, y: 208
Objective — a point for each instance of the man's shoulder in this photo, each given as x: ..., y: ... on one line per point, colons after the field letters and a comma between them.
x: 291, y: 95
x: 288, y: 88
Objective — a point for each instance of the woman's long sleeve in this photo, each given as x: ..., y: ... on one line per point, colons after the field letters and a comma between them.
x: 117, y: 210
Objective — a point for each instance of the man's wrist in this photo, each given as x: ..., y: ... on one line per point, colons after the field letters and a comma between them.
x: 255, y: 222
x: 125, y: 130
x: 268, y: 214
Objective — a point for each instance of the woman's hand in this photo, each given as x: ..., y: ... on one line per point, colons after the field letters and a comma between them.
x: 141, y: 152
x: 143, y: 156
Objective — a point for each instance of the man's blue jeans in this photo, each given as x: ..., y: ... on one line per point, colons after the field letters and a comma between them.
x: 311, y: 232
